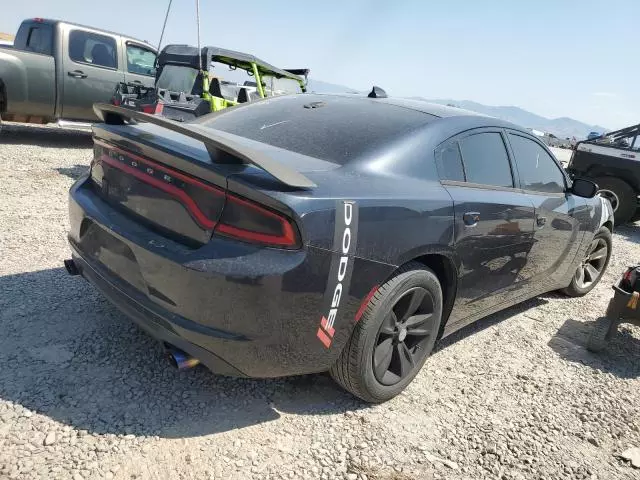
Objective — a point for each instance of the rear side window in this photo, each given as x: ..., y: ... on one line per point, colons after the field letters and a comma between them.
x: 538, y: 171
x: 140, y: 60
x: 449, y: 162
x: 40, y: 39
x: 485, y: 159
x: 93, y: 49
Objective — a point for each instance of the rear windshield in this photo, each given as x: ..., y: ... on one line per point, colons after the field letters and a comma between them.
x: 331, y: 128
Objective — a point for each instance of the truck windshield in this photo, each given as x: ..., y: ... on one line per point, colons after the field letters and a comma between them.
x: 177, y: 78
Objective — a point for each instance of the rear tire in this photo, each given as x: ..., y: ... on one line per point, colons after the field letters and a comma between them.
x: 361, y: 369
x: 620, y: 192
x: 578, y: 286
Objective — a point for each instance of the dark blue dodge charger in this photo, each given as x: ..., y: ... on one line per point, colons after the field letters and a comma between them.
x: 314, y: 233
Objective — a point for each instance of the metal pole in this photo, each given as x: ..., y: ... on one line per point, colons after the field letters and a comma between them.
x: 164, y: 25
x: 198, y: 20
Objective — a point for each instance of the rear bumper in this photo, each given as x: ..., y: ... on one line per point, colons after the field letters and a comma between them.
x: 148, y: 318
x: 241, y: 310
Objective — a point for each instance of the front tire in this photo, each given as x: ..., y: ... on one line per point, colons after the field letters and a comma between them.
x: 592, y: 266
x: 394, y: 337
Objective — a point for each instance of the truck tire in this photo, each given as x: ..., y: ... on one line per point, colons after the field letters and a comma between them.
x: 622, y: 196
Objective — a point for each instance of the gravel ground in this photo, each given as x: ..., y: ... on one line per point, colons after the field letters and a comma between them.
x: 85, y: 394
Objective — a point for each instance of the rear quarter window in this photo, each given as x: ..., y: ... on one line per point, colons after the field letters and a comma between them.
x: 449, y: 162
x: 335, y: 129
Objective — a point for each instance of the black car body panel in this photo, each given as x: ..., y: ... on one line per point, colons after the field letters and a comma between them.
x: 244, y: 308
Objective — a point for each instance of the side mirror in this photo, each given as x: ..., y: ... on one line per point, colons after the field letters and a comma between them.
x: 584, y: 188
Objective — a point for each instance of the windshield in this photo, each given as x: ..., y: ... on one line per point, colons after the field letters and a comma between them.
x: 280, y: 86
x: 177, y: 78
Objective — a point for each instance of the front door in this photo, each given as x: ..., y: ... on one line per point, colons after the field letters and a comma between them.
x: 557, y: 230
x: 493, y: 220
x: 90, y: 73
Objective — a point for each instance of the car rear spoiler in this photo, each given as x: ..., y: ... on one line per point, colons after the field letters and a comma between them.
x: 213, y: 140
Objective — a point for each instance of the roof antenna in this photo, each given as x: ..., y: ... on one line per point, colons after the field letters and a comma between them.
x: 377, y: 92
x: 164, y: 25
x: 198, y: 21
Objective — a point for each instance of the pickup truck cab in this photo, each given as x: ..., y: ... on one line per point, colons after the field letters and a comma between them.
x: 57, y: 70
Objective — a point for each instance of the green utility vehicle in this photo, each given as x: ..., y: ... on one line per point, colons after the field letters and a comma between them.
x: 191, y: 83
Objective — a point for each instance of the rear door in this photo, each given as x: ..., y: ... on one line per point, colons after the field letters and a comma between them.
x: 90, y: 72
x: 139, y: 63
x: 493, y: 219
x: 557, y: 230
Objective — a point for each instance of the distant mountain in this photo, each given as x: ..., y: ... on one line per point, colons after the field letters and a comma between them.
x: 561, y: 127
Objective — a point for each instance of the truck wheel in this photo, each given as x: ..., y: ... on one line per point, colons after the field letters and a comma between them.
x: 622, y: 197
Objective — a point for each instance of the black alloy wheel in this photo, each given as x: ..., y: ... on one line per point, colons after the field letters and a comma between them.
x: 402, y: 336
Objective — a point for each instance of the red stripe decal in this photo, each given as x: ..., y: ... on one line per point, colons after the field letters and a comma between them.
x: 330, y: 330
x: 324, y: 338
x: 365, y: 302
x: 185, y: 199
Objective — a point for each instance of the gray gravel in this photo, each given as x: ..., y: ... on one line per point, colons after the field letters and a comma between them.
x: 84, y: 394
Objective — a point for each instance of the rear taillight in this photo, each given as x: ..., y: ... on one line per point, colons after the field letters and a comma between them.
x: 241, y: 218
x: 251, y: 222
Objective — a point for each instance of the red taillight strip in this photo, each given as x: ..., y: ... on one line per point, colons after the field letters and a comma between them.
x: 157, y: 166
x: 185, y: 199
x: 288, y: 237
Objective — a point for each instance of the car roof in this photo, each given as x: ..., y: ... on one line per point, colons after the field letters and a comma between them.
x: 436, y: 109
x: 52, y: 21
x: 341, y: 128
x: 474, y: 119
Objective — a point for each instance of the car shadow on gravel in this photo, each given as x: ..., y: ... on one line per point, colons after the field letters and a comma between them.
x: 72, y: 172
x: 68, y: 354
x: 621, y: 357
x: 48, y: 137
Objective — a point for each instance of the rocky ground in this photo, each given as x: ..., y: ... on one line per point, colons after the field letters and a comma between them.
x: 85, y: 394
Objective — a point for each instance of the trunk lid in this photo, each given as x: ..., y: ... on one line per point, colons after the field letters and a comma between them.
x: 179, y: 187
x: 161, y: 178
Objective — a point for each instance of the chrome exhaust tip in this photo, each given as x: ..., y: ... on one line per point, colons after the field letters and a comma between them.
x: 181, y: 360
x: 72, y: 268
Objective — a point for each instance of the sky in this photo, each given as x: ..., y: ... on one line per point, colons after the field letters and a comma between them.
x: 556, y: 58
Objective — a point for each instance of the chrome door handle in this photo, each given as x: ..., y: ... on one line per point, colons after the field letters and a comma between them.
x: 77, y: 74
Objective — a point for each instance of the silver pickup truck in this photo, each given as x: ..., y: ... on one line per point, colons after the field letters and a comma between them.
x: 57, y: 70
